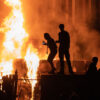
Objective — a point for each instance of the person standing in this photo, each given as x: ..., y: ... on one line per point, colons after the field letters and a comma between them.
x: 64, y: 40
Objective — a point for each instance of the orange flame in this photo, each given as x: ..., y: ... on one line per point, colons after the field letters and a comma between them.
x: 32, y: 62
x: 15, y: 38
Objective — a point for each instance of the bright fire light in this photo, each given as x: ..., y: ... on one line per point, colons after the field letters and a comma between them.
x: 32, y: 62
x: 15, y: 38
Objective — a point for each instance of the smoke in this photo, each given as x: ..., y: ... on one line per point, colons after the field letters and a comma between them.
x: 21, y: 67
x: 41, y: 17
x: 82, y: 23
x: 86, y: 42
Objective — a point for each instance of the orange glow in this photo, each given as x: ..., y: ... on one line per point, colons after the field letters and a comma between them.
x: 6, y: 67
x: 32, y: 62
x: 15, y: 38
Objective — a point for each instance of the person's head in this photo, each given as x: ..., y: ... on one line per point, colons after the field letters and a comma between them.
x: 61, y: 26
x: 46, y: 36
x: 95, y: 60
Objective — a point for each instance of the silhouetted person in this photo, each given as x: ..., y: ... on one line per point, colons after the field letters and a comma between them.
x: 64, y: 40
x: 93, y: 79
x: 92, y: 68
x: 53, y: 50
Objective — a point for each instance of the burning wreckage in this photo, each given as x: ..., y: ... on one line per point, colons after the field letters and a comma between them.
x: 48, y: 86
x: 18, y: 85
x: 12, y: 88
x: 24, y: 84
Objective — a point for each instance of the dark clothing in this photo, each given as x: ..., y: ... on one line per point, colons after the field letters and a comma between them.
x: 63, y: 52
x: 52, y: 55
x: 53, y: 51
x: 50, y: 60
x: 92, y: 69
x: 52, y: 45
x: 64, y: 40
x: 93, y: 81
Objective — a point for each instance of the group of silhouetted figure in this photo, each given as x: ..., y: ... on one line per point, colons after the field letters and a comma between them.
x: 64, y: 45
x: 92, y: 73
x: 64, y: 41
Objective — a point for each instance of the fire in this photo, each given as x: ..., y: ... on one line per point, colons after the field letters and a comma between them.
x: 7, y: 69
x: 32, y: 62
x: 15, y: 38
x: 14, y: 35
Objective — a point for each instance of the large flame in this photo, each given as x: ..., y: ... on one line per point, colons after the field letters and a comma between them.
x: 15, y: 38
x: 32, y: 62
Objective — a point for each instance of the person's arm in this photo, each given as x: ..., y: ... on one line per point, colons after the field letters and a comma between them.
x: 44, y: 43
x: 58, y: 41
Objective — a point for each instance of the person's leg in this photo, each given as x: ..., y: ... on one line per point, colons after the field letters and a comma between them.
x: 67, y: 55
x: 61, y: 56
x: 50, y: 60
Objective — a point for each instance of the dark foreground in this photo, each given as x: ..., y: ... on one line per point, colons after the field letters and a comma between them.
x: 62, y: 87
x: 57, y: 87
